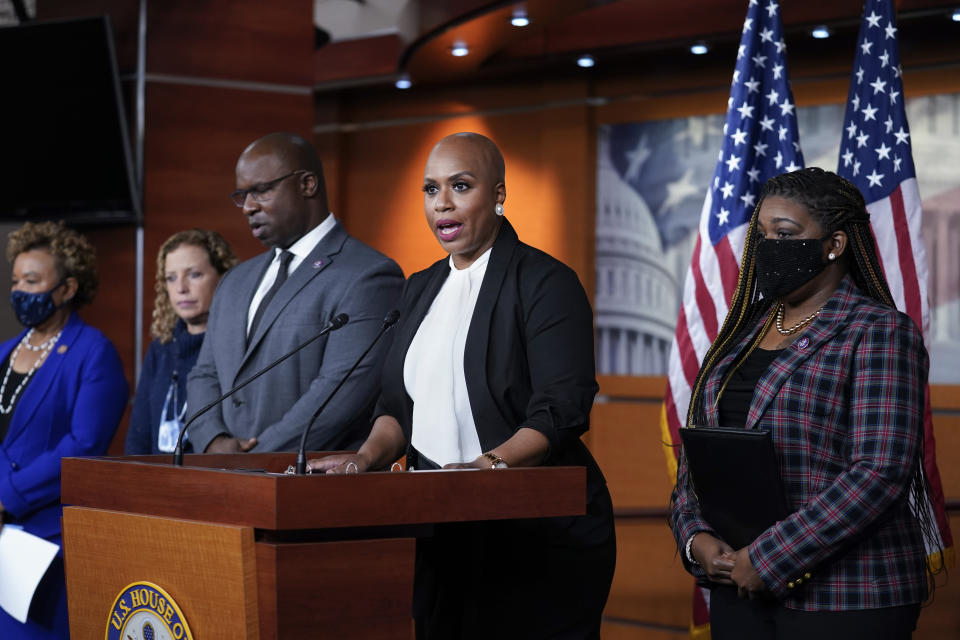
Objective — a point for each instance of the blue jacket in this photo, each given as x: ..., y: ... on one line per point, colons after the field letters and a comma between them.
x: 71, y: 407
x: 162, y: 361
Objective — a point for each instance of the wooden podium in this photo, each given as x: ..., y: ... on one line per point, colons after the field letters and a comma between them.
x: 248, y: 552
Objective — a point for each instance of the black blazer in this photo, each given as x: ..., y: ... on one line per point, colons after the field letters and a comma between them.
x: 529, y: 362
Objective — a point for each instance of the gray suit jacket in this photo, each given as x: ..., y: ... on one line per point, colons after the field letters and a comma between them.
x: 341, y: 275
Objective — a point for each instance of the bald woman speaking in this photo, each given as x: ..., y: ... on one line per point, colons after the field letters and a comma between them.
x: 492, y: 366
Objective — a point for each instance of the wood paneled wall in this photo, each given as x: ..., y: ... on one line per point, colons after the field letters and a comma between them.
x: 219, y: 75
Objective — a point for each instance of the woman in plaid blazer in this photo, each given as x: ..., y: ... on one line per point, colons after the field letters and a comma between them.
x: 814, y: 351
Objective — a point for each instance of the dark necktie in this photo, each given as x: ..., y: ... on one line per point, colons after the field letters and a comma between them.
x: 285, y: 258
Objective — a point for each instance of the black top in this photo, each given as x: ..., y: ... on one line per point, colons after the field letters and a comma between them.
x: 735, y: 400
x: 13, y: 381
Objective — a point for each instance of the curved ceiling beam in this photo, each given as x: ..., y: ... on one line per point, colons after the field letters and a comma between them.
x: 485, y: 29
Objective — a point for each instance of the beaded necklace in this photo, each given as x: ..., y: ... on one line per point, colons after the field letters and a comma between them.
x: 46, y: 344
x: 44, y: 348
x: 796, y: 327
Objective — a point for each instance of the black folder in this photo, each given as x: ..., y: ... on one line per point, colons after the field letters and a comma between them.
x: 736, y: 477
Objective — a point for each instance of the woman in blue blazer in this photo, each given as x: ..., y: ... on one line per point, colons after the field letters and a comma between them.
x: 62, y: 394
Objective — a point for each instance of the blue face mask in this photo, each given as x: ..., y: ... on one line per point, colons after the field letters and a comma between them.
x: 33, y: 309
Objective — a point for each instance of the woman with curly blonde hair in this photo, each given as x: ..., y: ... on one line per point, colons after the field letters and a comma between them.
x: 189, y: 266
x: 62, y: 394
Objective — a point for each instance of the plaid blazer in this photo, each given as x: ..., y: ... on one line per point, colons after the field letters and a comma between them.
x: 844, y: 404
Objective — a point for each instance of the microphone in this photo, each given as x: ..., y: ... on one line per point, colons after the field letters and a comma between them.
x: 338, y: 321
x: 301, y: 467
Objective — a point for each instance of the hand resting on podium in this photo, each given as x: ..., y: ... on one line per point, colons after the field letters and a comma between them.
x: 228, y: 444
x: 385, y: 444
x: 527, y: 447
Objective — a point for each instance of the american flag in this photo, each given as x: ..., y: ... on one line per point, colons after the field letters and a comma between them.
x: 760, y: 141
x: 875, y: 155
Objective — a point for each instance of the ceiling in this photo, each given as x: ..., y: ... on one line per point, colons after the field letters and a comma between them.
x: 372, y: 41
x: 355, y: 19
x: 368, y: 43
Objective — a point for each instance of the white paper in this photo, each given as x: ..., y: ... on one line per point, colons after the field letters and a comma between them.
x: 24, y: 558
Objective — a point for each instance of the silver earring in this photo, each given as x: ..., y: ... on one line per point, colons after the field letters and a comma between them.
x: 832, y: 255
x: 498, y: 209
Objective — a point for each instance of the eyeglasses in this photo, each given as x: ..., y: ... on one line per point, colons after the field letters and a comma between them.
x: 259, y: 192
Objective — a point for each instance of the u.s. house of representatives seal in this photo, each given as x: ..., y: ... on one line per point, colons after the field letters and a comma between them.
x: 144, y: 611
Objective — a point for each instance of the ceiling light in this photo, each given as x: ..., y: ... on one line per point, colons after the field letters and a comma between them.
x: 519, y: 18
x: 459, y: 49
x: 586, y: 61
x: 956, y: 15
x: 699, y: 49
x: 820, y: 32
x: 403, y: 81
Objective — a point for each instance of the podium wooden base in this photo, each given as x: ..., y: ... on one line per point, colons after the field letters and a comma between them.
x: 210, y: 566
x: 265, y: 555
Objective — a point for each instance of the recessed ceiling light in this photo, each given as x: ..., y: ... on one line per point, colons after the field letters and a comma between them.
x: 586, y: 61
x: 699, y: 48
x: 520, y: 18
x: 820, y: 32
x: 459, y: 49
x: 403, y: 81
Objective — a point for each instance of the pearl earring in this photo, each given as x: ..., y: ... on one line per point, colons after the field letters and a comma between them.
x: 498, y: 209
x: 832, y: 255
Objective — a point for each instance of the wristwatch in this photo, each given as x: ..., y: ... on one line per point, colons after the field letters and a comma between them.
x: 496, y: 462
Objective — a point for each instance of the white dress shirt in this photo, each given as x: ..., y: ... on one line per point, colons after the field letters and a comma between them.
x: 300, y: 250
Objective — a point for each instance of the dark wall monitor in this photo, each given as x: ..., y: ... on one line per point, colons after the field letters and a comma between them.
x: 65, y: 150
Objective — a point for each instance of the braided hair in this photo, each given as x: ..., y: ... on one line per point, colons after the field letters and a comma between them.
x: 837, y: 205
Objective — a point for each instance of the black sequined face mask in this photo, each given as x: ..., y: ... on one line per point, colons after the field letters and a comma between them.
x: 785, y: 265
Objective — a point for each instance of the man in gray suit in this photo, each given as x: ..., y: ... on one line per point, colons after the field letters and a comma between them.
x: 266, y: 306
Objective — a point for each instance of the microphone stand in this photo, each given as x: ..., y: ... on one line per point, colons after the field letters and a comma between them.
x: 301, y: 466
x: 337, y: 322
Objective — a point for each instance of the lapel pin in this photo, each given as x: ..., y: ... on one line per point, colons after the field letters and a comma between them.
x: 62, y: 349
x: 803, y: 342
x: 317, y: 264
